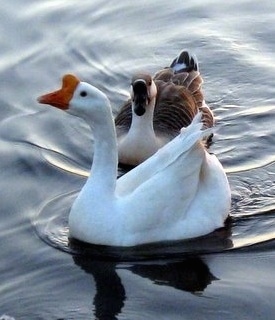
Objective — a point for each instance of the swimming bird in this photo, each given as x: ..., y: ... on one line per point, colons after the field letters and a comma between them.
x: 159, y: 107
x: 180, y: 192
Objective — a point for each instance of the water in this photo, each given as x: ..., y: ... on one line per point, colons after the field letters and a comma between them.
x: 45, y: 158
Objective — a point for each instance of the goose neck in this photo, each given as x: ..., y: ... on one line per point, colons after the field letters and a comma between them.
x: 105, y: 159
x: 144, y: 122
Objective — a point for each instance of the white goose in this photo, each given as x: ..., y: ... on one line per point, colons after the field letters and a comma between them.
x: 159, y: 107
x: 180, y: 192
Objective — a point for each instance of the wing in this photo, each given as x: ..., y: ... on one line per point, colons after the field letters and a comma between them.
x: 179, y: 98
x: 177, y: 148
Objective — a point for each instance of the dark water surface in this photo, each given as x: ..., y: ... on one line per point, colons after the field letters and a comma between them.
x: 46, y: 156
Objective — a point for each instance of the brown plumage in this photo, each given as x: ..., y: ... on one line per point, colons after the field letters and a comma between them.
x: 178, y: 99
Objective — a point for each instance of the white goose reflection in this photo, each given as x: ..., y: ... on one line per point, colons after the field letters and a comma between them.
x: 191, y: 274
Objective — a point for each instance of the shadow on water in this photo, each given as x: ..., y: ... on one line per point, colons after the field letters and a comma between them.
x: 190, y: 274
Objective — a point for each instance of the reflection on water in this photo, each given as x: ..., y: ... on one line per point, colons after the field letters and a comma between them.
x: 45, y: 158
x: 110, y: 293
x: 190, y: 275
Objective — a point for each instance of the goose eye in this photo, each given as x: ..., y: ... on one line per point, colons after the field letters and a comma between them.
x: 83, y: 93
x: 150, y: 82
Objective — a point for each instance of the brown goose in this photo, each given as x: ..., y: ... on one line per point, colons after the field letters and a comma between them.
x: 159, y: 107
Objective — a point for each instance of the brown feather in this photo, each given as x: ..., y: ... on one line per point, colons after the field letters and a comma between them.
x: 179, y: 98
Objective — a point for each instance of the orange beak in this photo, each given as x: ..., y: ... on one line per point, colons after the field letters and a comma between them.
x: 61, y: 98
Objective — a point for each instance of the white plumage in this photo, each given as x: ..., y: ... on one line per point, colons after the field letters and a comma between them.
x: 179, y: 193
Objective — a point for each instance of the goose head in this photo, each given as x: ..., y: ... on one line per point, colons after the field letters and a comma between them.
x: 143, y: 93
x: 78, y: 98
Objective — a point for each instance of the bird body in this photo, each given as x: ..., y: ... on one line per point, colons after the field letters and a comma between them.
x: 180, y: 192
x: 159, y: 107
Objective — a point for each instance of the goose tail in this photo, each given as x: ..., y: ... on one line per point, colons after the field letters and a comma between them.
x: 185, y: 62
x: 194, y: 132
x: 181, y: 145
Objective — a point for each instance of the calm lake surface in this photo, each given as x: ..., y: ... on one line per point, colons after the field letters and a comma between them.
x: 46, y: 156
